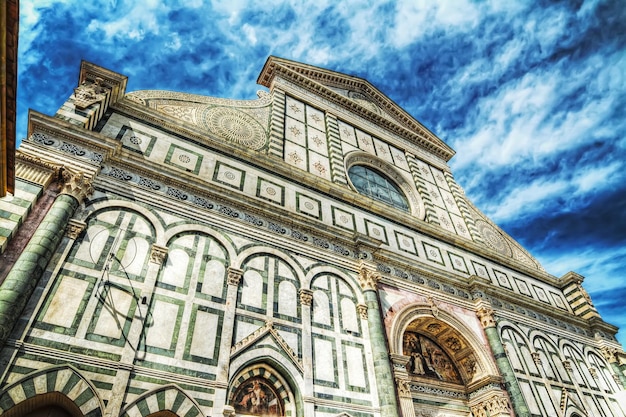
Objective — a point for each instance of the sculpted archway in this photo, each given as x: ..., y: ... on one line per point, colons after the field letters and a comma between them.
x: 442, y: 361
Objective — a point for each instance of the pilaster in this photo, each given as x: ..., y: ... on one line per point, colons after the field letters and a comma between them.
x: 385, y: 384
x: 420, y: 183
x: 337, y: 167
x: 277, y: 126
x: 458, y: 195
x: 486, y: 316
x: 306, y: 301
x: 234, y: 276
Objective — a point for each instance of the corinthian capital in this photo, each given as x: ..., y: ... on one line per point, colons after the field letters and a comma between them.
x: 76, y: 184
x: 368, y: 278
x: 485, y: 315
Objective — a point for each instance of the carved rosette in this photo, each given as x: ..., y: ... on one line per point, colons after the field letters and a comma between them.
x: 485, y: 315
x: 368, y: 279
x: 74, y: 228
x: 76, y: 184
x: 306, y: 297
x: 158, y: 254
x: 362, y: 310
x: 404, y: 390
x: 234, y: 276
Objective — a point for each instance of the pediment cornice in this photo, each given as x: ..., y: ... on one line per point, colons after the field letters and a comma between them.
x: 319, y: 81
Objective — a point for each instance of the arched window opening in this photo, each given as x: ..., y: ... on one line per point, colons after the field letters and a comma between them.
x: 373, y: 184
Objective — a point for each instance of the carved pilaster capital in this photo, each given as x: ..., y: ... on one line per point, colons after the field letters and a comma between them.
x: 486, y: 317
x: 306, y: 297
x: 368, y: 278
x: 498, y: 405
x: 76, y: 184
x: 74, y: 228
x: 362, y: 310
x: 228, y: 411
x: 610, y: 354
x: 594, y: 373
x: 567, y: 365
x: 404, y: 390
x: 536, y: 358
x: 234, y: 276
x: 158, y: 254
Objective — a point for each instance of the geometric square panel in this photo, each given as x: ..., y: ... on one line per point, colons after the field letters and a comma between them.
x: 406, y: 243
x: 523, y: 287
x: 558, y: 300
x: 365, y: 141
x: 315, y: 118
x: 229, y: 175
x: 460, y: 226
x: 269, y: 191
x: 183, y: 158
x: 317, y: 141
x: 440, y: 180
x: 433, y: 253
x: 343, y: 219
x: 376, y: 231
x: 541, y: 294
x: 481, y: 270
x: 295, y: 109
x: 136, y: 140
x: 308, y: 205
x: 319, y: 165
x: 295, y: 131
x: 458, y: 262
x: 346, y: 132
x: 503, y: 279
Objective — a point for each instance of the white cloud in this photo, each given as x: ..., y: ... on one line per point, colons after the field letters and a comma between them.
x: 250, y: 33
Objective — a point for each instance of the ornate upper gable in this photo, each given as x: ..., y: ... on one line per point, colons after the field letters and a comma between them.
x: 358, y: 96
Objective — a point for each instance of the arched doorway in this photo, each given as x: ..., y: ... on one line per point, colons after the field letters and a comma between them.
x: 53, y: 404
x: 442, y: 365
x: 260, y: 390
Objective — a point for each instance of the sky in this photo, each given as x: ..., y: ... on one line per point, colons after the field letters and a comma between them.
x: 530, y: 94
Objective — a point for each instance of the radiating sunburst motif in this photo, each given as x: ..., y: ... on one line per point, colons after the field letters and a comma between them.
x: 234, y: 126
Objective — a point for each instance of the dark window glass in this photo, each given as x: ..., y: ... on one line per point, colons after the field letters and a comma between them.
x: 375, y: 185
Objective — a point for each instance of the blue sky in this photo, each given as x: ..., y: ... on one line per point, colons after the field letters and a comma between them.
x: 531, y: 95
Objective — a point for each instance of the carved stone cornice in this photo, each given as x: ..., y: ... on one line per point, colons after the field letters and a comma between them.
x: 234, y: 276
x: 158, y: 254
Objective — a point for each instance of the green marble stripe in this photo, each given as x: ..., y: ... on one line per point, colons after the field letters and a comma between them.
x: 619, y: 373
x: 510, y: 381
x: 19, y: 284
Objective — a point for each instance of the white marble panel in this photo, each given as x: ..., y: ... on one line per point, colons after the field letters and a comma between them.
x: 354, y: 361
x: 204, y: 334
x: 321, y: 309
x: 348, y: 315
x: 287, y: 299
x: 93, y: 244
x: 135, y: 255
x: 324, y: 363
x: 175, y: 269
x: 213, y: 282
x: 161, y: 333
x: 65, y: 302
x: 252, y: 289
x: 113, y: 314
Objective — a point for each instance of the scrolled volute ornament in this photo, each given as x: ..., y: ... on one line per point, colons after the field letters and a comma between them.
x: 76, y: 184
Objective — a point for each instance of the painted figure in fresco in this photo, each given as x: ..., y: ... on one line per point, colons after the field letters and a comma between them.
x: 256, y: 398
x: 428, y: 359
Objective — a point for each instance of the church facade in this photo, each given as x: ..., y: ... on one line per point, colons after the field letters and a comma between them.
x: 307, y: 253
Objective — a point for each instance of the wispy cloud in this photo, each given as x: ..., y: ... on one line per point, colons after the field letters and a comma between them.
x: 533, y: 99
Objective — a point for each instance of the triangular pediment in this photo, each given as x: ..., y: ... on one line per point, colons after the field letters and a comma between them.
x: 358, y: 96
x: 266, y: 334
